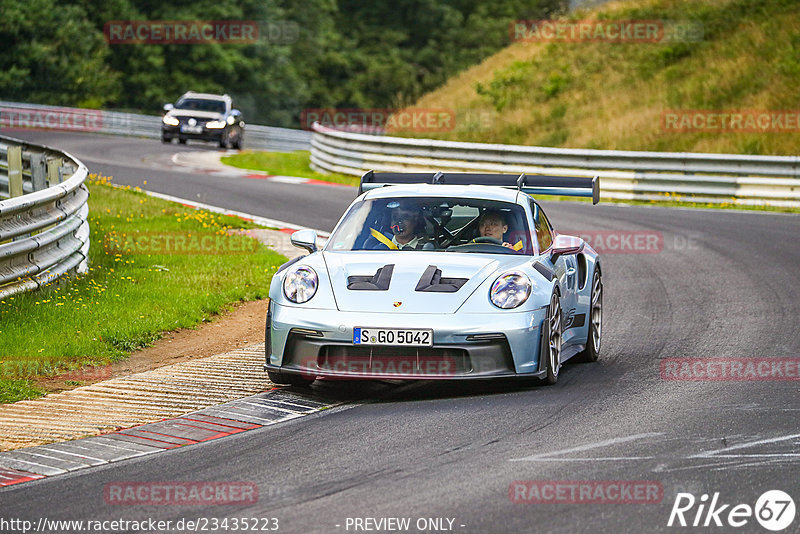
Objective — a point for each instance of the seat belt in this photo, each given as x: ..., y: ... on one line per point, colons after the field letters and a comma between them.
x: 383, y: 239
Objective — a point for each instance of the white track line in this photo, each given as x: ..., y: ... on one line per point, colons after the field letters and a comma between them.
x: 722, y: 453
x: 581, y: 448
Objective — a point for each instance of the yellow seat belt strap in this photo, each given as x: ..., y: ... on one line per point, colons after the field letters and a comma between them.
x: 386, y: 241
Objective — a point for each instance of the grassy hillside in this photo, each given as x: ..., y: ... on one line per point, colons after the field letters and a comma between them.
x: 612, y: 95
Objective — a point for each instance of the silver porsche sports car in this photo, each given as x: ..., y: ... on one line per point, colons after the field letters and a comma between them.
x: 438, y: 276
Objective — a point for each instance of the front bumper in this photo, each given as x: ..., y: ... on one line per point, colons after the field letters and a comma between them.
x: 316, y: 343
x: 170, y: 132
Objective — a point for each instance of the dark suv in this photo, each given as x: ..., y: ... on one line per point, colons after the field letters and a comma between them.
x: 205, y: 117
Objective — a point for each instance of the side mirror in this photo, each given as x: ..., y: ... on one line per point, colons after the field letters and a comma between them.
x: 306, y: 239
x: 566, y: 244
x: 168, y: 107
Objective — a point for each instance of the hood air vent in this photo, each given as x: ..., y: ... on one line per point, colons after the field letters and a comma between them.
x: 378, y: 282
x: 433, y: 282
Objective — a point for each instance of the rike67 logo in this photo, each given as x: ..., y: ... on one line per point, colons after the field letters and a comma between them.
x: 774, y: 510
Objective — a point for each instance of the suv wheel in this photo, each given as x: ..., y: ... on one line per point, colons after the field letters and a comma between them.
x: 239, y: 142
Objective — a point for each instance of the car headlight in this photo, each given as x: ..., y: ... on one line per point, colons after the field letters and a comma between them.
x: 215, y: 125
x: 171, y: 121
x: 231, y: 119
x: 510, y: 290
x: 300, y: 284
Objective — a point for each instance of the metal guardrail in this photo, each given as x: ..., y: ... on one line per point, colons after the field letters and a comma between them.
x: 44, y: 228
x: 714, y: 178
x: 27, y: 116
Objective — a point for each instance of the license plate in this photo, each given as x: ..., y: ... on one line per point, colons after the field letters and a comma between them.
x: 413, y: 337
x: 192, y: 129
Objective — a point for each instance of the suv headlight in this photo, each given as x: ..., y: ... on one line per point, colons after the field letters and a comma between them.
x: 171, y: 121
x: 300, y: 284
x: 215, y: 125
x: 510, y: 290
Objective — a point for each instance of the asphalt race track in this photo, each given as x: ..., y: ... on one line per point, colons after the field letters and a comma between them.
x: 721, y: 284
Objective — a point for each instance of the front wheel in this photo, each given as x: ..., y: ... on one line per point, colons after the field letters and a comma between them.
x: 592, y: 350
x: 225, y: 139
x: 554, y: 340
x: 286, y: 379
x: 239, y: 142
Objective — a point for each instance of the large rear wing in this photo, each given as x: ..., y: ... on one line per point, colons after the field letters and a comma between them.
x: 534, y: 184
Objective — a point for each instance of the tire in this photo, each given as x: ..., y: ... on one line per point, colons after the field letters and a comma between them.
x: 286, y: 379
x: 554, y: 330
x: 239, y: 142
x: 224, y: 139
x: 592, y: 350
x: 182, y: 140
x: 166, y: 140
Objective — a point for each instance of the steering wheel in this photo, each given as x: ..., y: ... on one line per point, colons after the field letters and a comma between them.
x: 487, y: 239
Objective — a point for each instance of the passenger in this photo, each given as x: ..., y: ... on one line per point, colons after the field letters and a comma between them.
x: 493, y: 224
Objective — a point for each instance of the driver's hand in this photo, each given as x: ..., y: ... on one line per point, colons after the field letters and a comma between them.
x: 508, y: 245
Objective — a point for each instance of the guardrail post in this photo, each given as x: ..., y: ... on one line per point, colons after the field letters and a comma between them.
x: 15, y: 171
x: 53, y: 174
x: 39, y: 171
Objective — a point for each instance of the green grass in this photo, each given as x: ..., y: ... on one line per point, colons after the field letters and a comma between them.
x: 127, y: 301
x: 13, y: 390
x: 286, y: 164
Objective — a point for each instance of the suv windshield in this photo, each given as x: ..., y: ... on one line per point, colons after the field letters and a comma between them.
x: 201, y: 104
x: 434, y: 224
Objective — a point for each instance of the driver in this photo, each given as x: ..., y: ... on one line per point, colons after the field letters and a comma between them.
x: 407, y: 226
x: 493, y: 224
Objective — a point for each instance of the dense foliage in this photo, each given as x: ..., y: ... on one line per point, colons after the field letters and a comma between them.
x: 345, y: 53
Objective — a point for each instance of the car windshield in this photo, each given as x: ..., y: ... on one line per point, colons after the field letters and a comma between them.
x: 434, y: 224
x: 201, y: 104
